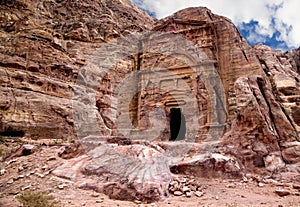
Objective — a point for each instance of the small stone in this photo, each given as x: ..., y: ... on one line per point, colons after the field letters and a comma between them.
x: 231, y: 185
x: 296, y: 186
x: 40, y: 175
x: 282, y: 192
x: 27, y: 149
x: 53, y: 178
x: 261, y: 185
x: 191, y: 182
x: 51, y: 158
x: 95, y: 195
x: 11, y: 161
x: 20, y: 168
x: 279, y: 184
x: 263, y: 203
x: 44, y: 167
x: 245, y: 179
x: 2, y: 171
x: 217, y: 197
x: 14, y: 192
x: 200, y: 188
x: 26, y: 187
x: 11, y: 181
x: 271, y: 181
x: 256, y: 178
x: 173, y: 183
x: 188, y: 194
x: 178, y: 193
x: 183, y: 180
x: 137, y: 202
x: 288, y: 185
x: 185, y: 189
x: 199, y: 193
x: 21, y: 176
x: 25, y: 165
x: 61, y: 186
x: 192, y: 187
x: 99, y: 201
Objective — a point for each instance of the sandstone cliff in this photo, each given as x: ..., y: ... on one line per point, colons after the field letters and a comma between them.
x: 45, y: 45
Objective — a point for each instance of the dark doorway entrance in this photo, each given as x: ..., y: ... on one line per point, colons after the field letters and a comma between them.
x: 177, y: 124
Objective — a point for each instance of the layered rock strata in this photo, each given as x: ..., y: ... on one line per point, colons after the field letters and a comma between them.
x: 43, y: 46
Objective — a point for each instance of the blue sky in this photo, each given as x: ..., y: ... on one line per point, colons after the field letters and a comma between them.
x: 272, y: 22
x: 253, y: 37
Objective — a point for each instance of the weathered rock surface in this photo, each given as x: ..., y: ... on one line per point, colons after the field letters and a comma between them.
x: 265, y: 132
x: 202, y: 63
x: 218, y: 37
x: 126, y: 172
x: 43, y: 46
x: 294, y: 56
x: 282, y: 192
x: 282, y: 71
x: 125, y: 169
x: 208, y: 165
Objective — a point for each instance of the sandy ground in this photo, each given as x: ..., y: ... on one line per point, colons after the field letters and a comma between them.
x: 34, y: 172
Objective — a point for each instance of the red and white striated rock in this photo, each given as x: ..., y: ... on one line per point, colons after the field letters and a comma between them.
x: 125, y: 172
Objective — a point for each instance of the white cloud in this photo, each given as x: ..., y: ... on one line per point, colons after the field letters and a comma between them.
x: 284, y: 14
x: 255, y: 38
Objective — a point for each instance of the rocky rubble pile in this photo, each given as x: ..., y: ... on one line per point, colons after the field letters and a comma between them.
x: 186, y: 186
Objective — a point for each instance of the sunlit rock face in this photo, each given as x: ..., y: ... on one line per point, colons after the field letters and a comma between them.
x: 283, y: 72
x: 128, y: 171
x: 189, y: 62
x: 265, y: 133
x: 222, y: 56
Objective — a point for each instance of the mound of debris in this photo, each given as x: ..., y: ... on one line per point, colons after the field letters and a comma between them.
x: 186, y: 186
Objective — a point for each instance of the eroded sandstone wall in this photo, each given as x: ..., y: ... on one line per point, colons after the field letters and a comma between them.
x: 44, y: 44
x: 265, y: 133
